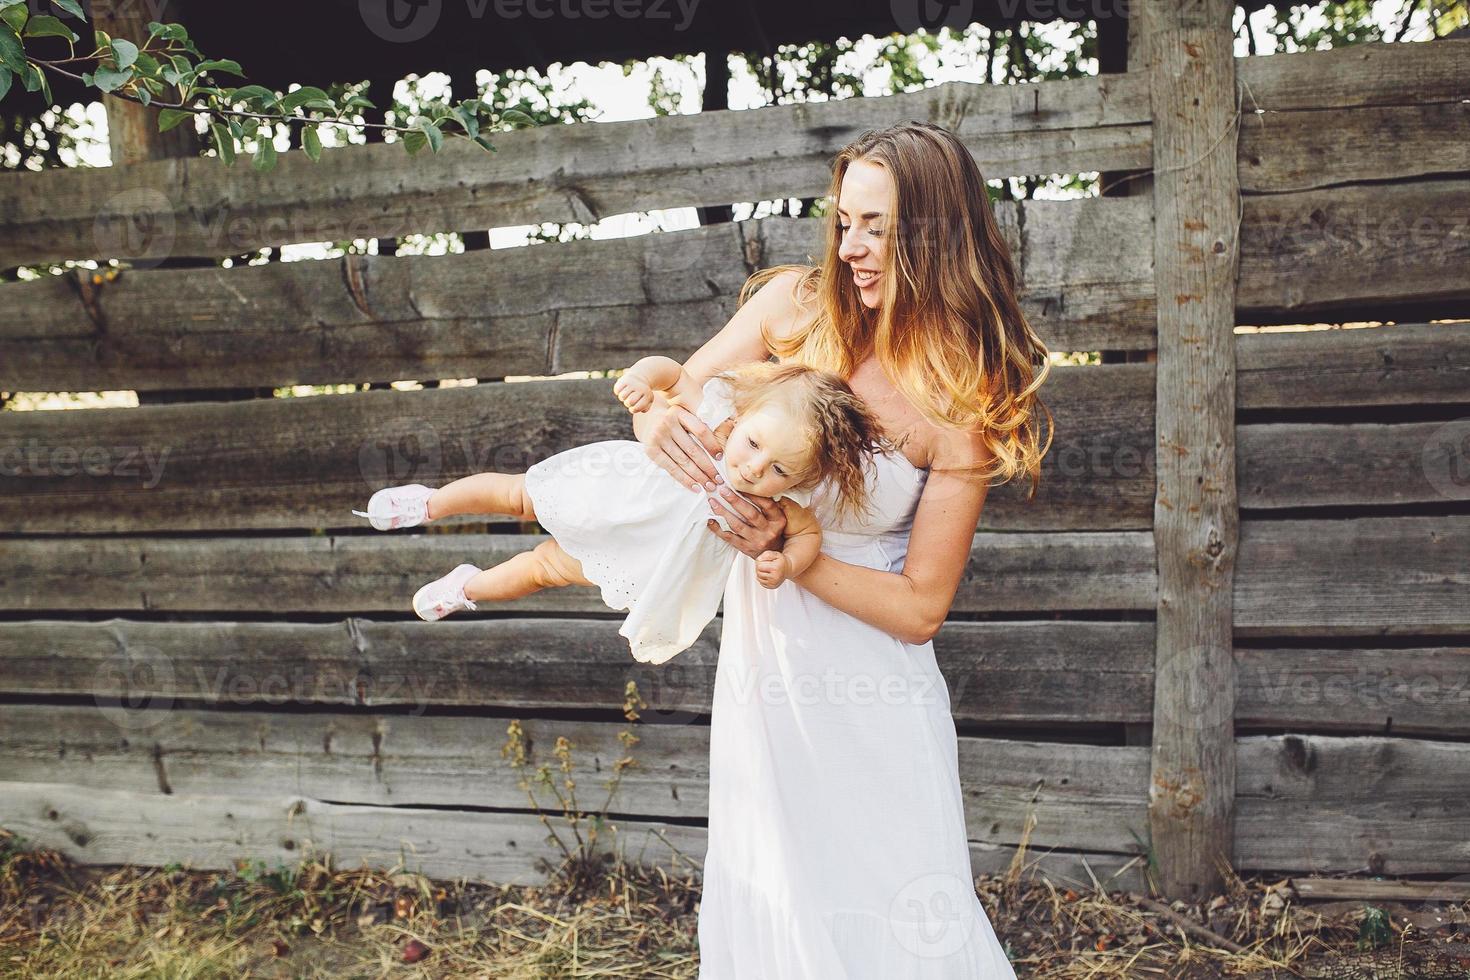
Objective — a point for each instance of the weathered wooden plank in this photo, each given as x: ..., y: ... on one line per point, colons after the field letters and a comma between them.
x: 1300, y: 151
x: 1196, y: 196
x: 1084, y: 267
x: 1401, y: 364
x: 580, y: 172
x: 1084, y: 797
x: 213, y: 832
x: 1361, y: 250
x: 1007, y: 671
x: 1357, y: 75
x: 95, y: 826
x: 308, y: 462
x: 1422, y: 691
x: 1311, y: 465
x: 1320, y: 803
x: 1009, y: 572
x: 1362, y: 576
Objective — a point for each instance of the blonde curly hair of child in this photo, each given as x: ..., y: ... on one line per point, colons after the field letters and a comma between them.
x: 837, y: 423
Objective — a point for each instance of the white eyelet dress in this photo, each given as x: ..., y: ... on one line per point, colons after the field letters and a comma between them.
x: 837, y: 847
x: 640, y: 535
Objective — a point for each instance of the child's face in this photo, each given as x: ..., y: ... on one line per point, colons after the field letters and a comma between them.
x: 765, y: 453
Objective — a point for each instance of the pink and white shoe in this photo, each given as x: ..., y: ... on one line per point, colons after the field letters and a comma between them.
x: 394, y: 507
x: 445, y: 595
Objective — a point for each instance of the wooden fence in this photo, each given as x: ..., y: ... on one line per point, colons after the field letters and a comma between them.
x: 204, y: 657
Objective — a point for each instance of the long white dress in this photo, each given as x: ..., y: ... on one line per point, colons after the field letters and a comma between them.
x: 837, y: 846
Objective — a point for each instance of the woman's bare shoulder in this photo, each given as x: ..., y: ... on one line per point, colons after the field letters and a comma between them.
x: 790, y: 301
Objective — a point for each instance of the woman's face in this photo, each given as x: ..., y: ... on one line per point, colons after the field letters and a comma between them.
x: 861, y: 210
x: 764, y: 453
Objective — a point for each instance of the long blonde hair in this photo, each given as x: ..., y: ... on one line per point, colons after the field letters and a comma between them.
x: 950, y: 333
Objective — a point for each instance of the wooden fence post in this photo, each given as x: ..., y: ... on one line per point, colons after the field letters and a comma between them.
x: 132, y: 129
x: 1188, y: 50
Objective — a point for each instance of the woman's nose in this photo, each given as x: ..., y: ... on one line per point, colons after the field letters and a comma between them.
x: 847, y: 248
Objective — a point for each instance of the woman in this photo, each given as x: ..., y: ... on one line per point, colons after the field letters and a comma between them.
x: 837, y: 845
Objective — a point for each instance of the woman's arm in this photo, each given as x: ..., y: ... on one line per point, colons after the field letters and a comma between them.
x: 912, y: 604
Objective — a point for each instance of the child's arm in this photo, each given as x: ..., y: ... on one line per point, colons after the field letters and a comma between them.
x: 803, y: 543
x: 636, y: 386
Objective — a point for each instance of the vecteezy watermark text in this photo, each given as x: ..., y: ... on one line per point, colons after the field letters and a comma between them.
x: 407, y: 21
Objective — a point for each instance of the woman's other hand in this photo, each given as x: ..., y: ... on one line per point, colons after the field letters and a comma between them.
x: 754, y: 527
x: 672, y: 437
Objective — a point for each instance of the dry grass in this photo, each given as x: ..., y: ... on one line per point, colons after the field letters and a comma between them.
x: 58, y: 920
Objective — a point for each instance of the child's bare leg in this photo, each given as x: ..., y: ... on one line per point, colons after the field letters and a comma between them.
x: 545, y: 566
x: 483, y: 493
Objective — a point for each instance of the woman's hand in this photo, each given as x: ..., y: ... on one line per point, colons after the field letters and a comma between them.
x: 754, y: 527
x: 671, y: 438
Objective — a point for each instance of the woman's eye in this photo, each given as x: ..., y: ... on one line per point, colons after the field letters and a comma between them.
x: 842, y: 228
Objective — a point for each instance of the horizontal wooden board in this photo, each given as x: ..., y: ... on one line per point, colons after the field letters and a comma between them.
x: 1314, y: 465
x: 1084, y: 797
x: 213, y: 832
x: 1008, y: 671
x: 1304, y: 803
x: 1384, y: 805
x: 1360, y: 251
x: 1362, y: 576
x: 1354, y: 76
x: 1085, y: 270
x: 1422, y: 690
x: 1310, y: 150
x: 308, y: 462
x: 1399, y: 364
x: 1008, y: 572
x: 581, y: 172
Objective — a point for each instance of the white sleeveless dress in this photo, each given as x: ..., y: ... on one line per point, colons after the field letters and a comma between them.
x: 640, y: 535
x: 837, y: 846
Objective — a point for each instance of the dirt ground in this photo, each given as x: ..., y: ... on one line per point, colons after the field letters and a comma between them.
x: 59, y: 920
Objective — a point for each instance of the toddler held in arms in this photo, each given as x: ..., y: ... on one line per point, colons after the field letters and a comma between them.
x: 622, y: 523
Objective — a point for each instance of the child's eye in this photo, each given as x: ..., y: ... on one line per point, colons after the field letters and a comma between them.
x: 779, y: 471
x: 752, y: 442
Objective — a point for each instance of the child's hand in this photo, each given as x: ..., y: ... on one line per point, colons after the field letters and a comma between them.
x: 635, y: 393
x: 770, y: 569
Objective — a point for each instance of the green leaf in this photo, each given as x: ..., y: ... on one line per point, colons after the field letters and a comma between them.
x: 12, y: 54
x: 107, y: 80
x: 303, y: 96
x: 224, y: 143
x: 32, y: 79
x: 468, y: 120
x: 516, y: 118
x: 5, y: 77
x: 47, y: 26
x: 415, y: 141
x: 144, y: 96
x: 253, y: 93
x: 169, y: 32
x: 146, y: 64
x: 434, y: 133
x: 16, y: 17
x: 71, y: 7
x: 126, y: 52
x: 265, y: 155
x: 9, y: 3
x: 170, y: 118
x: 484, y: 143
x: 311, y: 142
x: 224, y: 64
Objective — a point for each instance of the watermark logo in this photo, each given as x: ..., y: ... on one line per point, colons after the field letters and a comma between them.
x: 133, y: 688
x: 137, y: 225
x: 1191, y: 688
x: 401, y: 21
x: 934, y: 915
x: 931, y: 15
x: 404, y: 450
x: 1446, y: 460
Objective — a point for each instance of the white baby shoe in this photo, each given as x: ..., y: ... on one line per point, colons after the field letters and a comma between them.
x: 445, y: 595
x: 394, y: 507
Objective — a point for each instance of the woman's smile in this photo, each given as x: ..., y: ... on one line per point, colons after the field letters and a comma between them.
x: 864, y: 277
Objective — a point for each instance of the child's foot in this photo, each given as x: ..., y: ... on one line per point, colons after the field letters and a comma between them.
x: 395, y: 507
x: 445, y: 595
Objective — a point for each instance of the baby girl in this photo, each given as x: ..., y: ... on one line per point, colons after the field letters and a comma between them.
x: 620, y: 522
